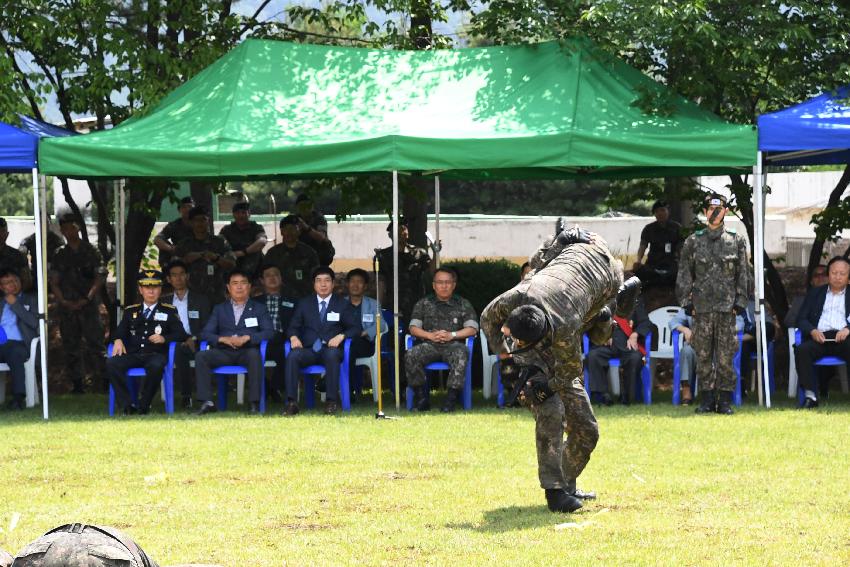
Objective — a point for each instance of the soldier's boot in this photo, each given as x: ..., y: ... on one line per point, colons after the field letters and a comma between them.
x: 452, y: 396
x: 627, y: 296
x: 724, y: 403
x: 559, y: 500
x: 708, y: 403
x: 420, y: 399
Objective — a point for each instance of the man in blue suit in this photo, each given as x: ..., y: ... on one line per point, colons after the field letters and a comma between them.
x: 319, y: 326
x: 823, y: 322
x: 234, y: 331
x: 19, y: 319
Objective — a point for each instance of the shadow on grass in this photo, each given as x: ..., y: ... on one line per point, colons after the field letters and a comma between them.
x: 516, y: 518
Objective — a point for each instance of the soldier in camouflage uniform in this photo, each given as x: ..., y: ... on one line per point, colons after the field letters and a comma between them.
x: 413, y: 263
x: 174, y: 232
x: 77, y: 276
x: 13, y: 259
x: 712, y: 284
x: 247, y: 238
x: 81, y: 545
x: 442, y: 323
x: 295, y: 260
x: 208, y: 256
x: 574, y: 279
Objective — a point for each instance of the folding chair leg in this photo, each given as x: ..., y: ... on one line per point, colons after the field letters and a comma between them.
x: 240, y: 389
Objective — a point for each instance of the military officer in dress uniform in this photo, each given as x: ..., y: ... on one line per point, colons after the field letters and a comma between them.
x: 141, y: 340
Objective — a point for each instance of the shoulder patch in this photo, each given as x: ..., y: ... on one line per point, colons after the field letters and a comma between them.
x: 168, y: 305
x: 132, y: 306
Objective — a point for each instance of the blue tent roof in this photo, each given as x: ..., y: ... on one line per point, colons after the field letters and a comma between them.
x: 19, y: 146
x: 813, y: 132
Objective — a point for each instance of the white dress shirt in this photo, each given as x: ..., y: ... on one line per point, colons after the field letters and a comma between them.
x: 833, y: 317
x: 182, y: 306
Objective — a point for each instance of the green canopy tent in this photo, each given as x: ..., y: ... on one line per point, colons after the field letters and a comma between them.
x: 271, y: 109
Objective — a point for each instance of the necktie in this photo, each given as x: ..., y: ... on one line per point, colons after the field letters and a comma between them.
x: 147, y: 313
x: 323, y: 310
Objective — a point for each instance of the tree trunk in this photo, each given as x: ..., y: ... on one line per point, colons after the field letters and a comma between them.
x: 834, y: 199
x: 75, y: 210
x: 142, y: 199
x: 415, y: 211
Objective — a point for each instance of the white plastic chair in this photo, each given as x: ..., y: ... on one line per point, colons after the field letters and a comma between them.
x: 661, y: 319
x: 29, y: 372
x: 488, y: 359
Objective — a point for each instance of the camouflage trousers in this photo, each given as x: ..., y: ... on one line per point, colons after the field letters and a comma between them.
x: 82, y: 338
x: 715, y: 342
x: 560, y: 462
x: 454, y: 354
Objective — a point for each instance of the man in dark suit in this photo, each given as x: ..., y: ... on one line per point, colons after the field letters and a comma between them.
x: 319, y: 326
x: 280, y: 308
x: 823, y: 323
x: 194, y: 311
x: 234, y: 331
x: 141, y: 340
x: 20, y: 323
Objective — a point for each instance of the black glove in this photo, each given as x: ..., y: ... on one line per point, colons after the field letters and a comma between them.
x: 574, y: 235
x: 538, y: 388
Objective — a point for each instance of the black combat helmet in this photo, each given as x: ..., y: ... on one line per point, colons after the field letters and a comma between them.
x: 82, y: 545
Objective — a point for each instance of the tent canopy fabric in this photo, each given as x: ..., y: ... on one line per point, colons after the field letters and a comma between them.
x: 276, y: 109
x: 810, y: 133
x: 19, y: 146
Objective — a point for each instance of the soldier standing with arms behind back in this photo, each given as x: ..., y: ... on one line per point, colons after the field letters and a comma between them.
x: 712, y: 284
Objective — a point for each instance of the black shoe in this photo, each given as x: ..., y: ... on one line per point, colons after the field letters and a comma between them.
x: 17, y: 403
x: 604, y: 399
x: 724, y: 403
x: 206, y: 407
x: 130, y: 410
x: 255, y: 407
x: 451, y: 400
x: 420, y: 399
x: 187, y: 402
x: 144, y: 410
x: 627, y: 296
x: 809, y: 403
x: 290, y: 409
x: 708, y: 403
x: 558, y: 500
x: 582, y: 495
x: 625, y: 399
x: 331, y: 407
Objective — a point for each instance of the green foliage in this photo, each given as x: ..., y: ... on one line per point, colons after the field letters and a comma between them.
x: 480, y: 281
x: 15, y: 195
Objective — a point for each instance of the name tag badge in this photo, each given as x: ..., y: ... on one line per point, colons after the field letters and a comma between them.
x: 288, y: 304
x: 27, y: 307
x: 251, y: 322
x: 160, y: 316
x: 210, y: 270
x: 194, y: 315
x: 299, y: 275
x: 368, y: 318
x: 668, y: 247
x: 333, y: 316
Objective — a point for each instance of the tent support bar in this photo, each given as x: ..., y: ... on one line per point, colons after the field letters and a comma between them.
x: 437, y: 219
x: 758, y: 264
x: 41, y: 281
x: 395, y: 293
x: 800, y: 154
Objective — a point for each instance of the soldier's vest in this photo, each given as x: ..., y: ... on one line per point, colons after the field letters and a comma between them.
x: 82, y: 545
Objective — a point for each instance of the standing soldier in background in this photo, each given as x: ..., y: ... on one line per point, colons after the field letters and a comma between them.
x: 712, y: 285
x: 27, y: 248
x: 13, y: 259
x: 247, y: 238
x: 77, y: 275
x: 295, y: 260
x: 174, y: 232
x: 413, y: 263
x: 313, y: 230
x: 207, y: 255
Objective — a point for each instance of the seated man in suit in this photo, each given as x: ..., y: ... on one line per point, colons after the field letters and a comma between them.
x: 19, y: 319
x: 627, y: 344
x: 141, y: 340
x: 365, y: 311
x: 442, y: 322
x: 280, y: 307
x: 194, y: 310
x: 823, y: 324
x: 234, y: 332
x: 319, y: 326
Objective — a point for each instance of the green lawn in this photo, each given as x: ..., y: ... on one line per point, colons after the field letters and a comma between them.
x: 758, y: 488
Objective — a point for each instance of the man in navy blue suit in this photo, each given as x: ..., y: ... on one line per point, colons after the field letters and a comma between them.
x: 319, y: 326
x: 234, y: 331
x: 823, y: 322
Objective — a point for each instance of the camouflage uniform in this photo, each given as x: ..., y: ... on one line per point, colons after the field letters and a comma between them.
x: 296, y: 267
x: 571, y: 289
x: 413, y: 263
x: 714, y: 277
x: 54, y: 242
x: 76, y: 271
x: 241, y: 238
x: 324, y: 250
x: 431, y: 314
x: 13, y: 259
x: 173, y: 233
x: 81, y: 545
x: 206, y: 277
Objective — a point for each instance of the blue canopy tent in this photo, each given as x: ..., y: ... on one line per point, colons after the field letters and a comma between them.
x: 19, y: 154
x: 814, y: 132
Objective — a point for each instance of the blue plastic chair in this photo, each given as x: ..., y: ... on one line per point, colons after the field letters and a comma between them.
x: 134, y: 373
x: 677, y: 370
x: 645, y: 375
x: 467, y: 384
x: 313, y: 369
x: 823, y: 361
x: 222, y: 372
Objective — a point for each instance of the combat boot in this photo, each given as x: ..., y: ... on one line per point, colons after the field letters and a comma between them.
x: 724, y: 403
x: 708, y: 403
x: 627, y: 297
x: 558, y: 500
x: 420, y: 399
x: 451, y: 400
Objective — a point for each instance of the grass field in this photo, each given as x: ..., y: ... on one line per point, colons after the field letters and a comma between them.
x: 758, y: 488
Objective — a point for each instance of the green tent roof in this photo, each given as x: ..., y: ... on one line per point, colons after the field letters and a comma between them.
x: 271, y: 108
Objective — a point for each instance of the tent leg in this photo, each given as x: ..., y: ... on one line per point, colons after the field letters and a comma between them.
x: 395, y: 293
x: 41, y: 282
x: 119, y: 247
x: 437, y: 219
x: 762, y: 372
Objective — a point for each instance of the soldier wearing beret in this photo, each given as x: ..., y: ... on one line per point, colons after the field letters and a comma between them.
x: 712, y: 284
x: 141, y: 340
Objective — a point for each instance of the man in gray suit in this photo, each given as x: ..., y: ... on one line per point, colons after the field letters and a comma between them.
x: 19, y: 321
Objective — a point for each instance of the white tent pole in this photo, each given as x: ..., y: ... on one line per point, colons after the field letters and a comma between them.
x: 41, y: 282
x: 758, y: 264
x: 763, y: 321
x: 119, y: 247
x: 437, y: 218
x: 395, y: 292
